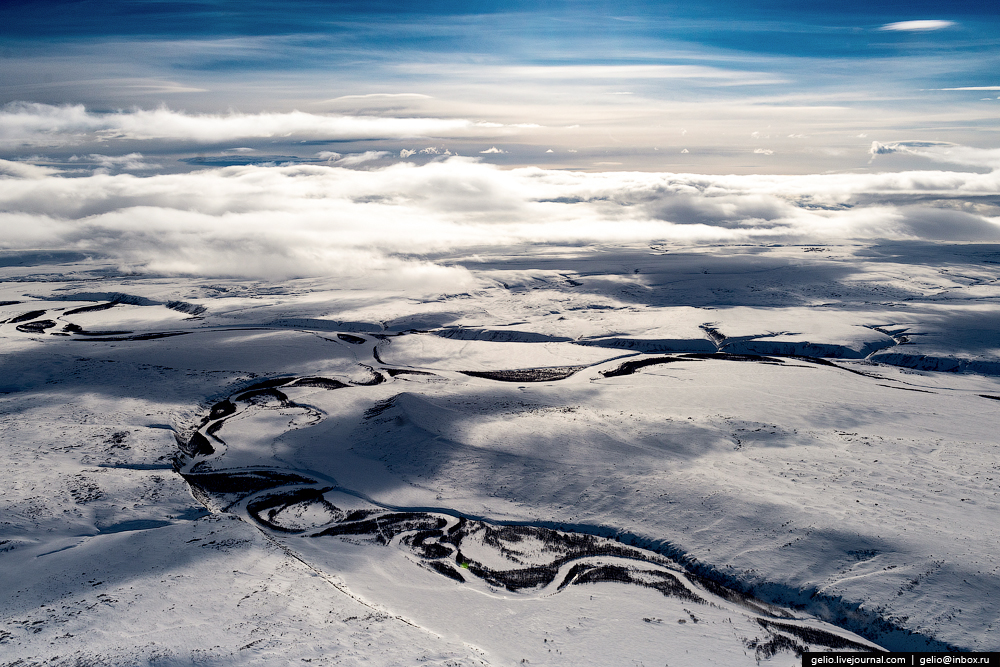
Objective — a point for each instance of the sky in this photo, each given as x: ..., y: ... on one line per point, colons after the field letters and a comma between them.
x: 762, y: 87
x: 385, y: 130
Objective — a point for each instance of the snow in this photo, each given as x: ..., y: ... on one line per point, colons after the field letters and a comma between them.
x: 812, y: 431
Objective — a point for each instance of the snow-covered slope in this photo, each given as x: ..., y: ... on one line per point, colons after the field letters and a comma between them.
x: 717, y: 454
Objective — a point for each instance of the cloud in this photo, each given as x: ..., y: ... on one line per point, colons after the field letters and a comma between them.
x: 941, y: 152
x: 32, y: 124
x: 25, y: 169
x: 406, y: 152
x: 615, y: 73
x: 377, y: 95
x: 763, y: 151
x: 376, y: 227
x: 493, y: 149
x: 917, y: 26
x: 130, y: 162
x: 972, y: 88
x: 359, y: 158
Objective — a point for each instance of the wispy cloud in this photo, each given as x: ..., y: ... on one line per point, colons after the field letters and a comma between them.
x: 918, y: 26
x: 30, y: 124
x: 941, y: 152
x: 611, y: 73
x: 360, y: 158
x: 379, y: 95
x: 130, y: 162
x: 972, y: 88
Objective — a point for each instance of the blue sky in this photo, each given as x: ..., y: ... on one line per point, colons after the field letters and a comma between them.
x: 716, y: 86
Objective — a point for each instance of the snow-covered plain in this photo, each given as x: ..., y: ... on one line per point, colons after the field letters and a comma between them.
x: 617, y: 454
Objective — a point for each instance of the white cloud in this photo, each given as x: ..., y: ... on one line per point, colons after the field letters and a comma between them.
x: 406, y: 152
x: 130, y: 162
x: 329, y: 156
x: 30, y: 124
x: 25, y: 169
x: 940, y: 151
x: 377, y: 95
x: 615, y: 73
x: 972, y: 88
x: 684, y: 150
x: 375, y: 227
x: 763, y: 151
x: 358, y: 158
x: 493, y: 149
x: 911, y: 26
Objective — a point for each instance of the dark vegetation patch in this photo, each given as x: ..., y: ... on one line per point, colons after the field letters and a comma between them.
x: 91, y: 309
x: 322, y: 383
x: 447, y: 570
x: 192, y: 309
x: 419, y: 543
x: 380, y: 407
x: 198, y: 445
x: 377, y: 378
x: 243, y: 482
x: 814, y: 636
x: 629, y: 367
x: 145, y: 336
x: 354, y: 340
x: 268, y: 384
x: 24, y: 317
x: 766, y: 650
x: 735, y: 597
x: 36, y: 327
x: 725, y: 356
x: 80, y: 331
x: 383, y: 527
x: 663, y: 582
x: 262, y: 396
x: 265, y: 509
x: 222, y: 409
x: 527, y: 374
x: 394, y: 372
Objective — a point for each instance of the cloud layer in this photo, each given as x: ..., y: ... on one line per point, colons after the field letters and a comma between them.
x: 31, y: 124
x: 380, y: 226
